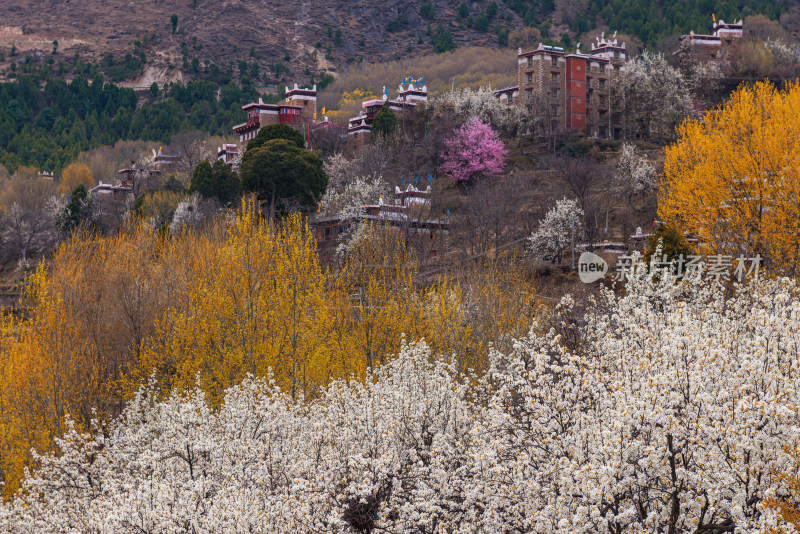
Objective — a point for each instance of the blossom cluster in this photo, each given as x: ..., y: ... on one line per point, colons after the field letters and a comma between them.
x: 667, y: 409
x: 475, y: 150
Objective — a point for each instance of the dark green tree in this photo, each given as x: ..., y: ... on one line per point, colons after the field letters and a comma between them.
x: 673, y: 243
x: 174, y: 20
x: 481, y: 23
x: 502, y: 36
x: 277, y: 131
x: 427, y: 10
x: 77, y: 211
x: 283, y: 176
x: 385, y: 122
x: 463, y: 10
x: 216, y: 181
x: 154, y: 91
x: 442, y: 40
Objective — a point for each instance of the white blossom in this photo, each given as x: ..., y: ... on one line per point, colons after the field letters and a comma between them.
x: 784, y: 52
x: 482, y: 104
x: 346, y: 200
x: 192, y: 211
x: 555, y: 231
x: 634, y: 173
x: 655, y: 96
x: 665, y: 409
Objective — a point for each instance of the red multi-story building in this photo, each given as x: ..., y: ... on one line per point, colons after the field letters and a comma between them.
x: 572, y: 92
x: 575, y: 97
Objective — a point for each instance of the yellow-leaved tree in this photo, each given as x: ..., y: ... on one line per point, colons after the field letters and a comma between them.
x: 72, y: 176
x: 733, y: 178
x: 208, y: 306
x: 255, y: 301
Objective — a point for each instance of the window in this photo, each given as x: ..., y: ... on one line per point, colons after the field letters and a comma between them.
x: 530, y: 61
x: 616, y: 54
x: 554, y: 77
x: 554, y: 110
x: 530, y: 77
x: 602, y: 83
x: 616, y: 69
x: 588, y: 81
x: 528, y: 95
x: 554, y: 93
x: 603, y: 100
x: 529, y: 108
x: 510, y: 99
x: 579, y: 101
x: 579, y: 67
x: 554, y: 61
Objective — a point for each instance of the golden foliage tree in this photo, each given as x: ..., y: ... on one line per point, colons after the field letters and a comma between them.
x: 244, y: 296
x: 72, y: 176
x: 734, y: 177
x: 253, y: 304
x: 785, y: 503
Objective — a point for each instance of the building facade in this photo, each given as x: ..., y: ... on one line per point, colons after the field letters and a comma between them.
x: 410, y: 93
x: 299, y: 108
x: 720, y: 46
x: 409, y: 216
x: 570, y: 92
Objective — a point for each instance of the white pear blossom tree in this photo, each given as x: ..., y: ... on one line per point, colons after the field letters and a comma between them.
x: 482, y: 104
x: 655, y: 97
x: 634, y: 174
x: 671, y: 411
x: 554, y: 234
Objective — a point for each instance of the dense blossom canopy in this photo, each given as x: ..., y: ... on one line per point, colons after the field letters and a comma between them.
x: 556, y: 230
x: 668, y: 412
x: 474, y: 150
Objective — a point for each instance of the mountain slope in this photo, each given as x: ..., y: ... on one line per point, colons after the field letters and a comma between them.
x: 271, y: 42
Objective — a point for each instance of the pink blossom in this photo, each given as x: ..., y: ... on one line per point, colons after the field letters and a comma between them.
x: 474, y: 150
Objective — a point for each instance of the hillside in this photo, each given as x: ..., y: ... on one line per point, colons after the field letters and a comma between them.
x: 272, y: 42
x: 279, y: 37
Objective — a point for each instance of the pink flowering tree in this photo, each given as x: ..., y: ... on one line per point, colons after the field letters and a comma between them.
x: 474, y: 150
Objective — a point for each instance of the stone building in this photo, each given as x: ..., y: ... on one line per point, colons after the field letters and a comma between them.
x: 410, y: 216
x: 299, y: 108
x: 409, y: 94
x: 228, y: 153
x: 720, y: 46
x: 570, y: 92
